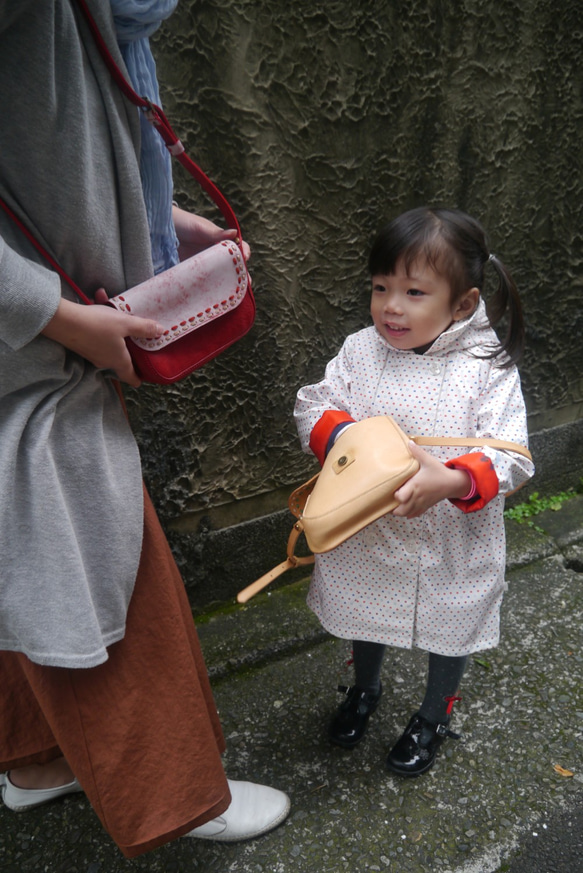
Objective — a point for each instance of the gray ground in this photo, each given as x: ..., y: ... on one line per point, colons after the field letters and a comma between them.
x: 493, y: 802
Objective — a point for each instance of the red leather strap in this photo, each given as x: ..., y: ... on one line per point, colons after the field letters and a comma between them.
x: 162, y: 125
x: 44, y: 252
x: 157, y: 117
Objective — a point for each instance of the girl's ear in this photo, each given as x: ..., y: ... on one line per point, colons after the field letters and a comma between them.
x: 466, y: 305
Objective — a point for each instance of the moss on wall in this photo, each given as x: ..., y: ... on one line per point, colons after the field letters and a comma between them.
x: 320, y: 121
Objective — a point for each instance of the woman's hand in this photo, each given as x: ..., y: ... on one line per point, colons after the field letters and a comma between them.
x: 97, y: 333
x: 196, y: 233
x: 430, y: 484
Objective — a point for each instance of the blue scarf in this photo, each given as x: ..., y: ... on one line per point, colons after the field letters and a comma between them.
x: 135, y: 21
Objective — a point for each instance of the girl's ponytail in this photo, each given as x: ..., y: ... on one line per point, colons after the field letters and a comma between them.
x: 506, y: 301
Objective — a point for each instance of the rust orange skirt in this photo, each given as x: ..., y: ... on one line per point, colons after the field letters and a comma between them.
x: 141, y: 731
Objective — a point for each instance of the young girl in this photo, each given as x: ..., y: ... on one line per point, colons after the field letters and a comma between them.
x: 430, y: 574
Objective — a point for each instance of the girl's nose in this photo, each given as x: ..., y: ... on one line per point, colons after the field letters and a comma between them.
x: 392, y: 304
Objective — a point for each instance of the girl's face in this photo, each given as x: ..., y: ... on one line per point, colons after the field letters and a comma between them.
x: 410, y: 310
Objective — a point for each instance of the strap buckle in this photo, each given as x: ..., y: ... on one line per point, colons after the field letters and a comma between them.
x: 442, y: 730
x: 149, y: 111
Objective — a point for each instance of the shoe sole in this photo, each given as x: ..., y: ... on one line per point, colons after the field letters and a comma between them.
x: 409, y: 774
x: 345, y: 745
x: 41, y: 796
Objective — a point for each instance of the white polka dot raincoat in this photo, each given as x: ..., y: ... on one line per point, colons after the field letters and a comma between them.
x: 435, y: 582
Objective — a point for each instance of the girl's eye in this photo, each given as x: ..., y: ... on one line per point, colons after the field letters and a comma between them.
x: 415, y: 292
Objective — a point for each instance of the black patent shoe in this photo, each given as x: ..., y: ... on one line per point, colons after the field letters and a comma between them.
x: 414, y: 753
x: 349, y: 724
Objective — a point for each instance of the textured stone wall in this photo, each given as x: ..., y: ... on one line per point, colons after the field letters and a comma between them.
x: 321, y: 121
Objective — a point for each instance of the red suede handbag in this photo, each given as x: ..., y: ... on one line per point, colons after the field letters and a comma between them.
x: 205, y: 303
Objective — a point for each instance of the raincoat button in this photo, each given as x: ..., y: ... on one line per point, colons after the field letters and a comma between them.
x: 370, y: 538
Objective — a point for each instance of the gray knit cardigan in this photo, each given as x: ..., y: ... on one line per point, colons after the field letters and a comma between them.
x: 71, y: 496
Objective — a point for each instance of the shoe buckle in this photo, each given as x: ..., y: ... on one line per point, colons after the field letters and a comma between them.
x: 442, y: 730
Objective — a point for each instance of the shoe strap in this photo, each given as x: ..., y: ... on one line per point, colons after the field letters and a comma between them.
x: 442, y: 730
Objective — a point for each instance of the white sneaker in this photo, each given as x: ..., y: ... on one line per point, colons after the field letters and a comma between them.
x: 254, y: 810
x: 19, y: 799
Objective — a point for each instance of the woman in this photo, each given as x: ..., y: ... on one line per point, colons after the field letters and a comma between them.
x: 103, y: 684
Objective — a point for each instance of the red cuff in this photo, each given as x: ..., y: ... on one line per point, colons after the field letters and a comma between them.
x: 322, y: 430
x: 481, y: 469
x: 473, y: 490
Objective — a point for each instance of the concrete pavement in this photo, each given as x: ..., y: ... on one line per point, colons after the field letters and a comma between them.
x: 494, y: 800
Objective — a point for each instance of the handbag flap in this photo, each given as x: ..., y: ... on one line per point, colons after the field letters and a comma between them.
x: 189, y: 295
x: 356, y: 485
x: 297, y: 499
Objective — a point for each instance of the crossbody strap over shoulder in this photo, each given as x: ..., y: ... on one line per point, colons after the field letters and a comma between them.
x: 158, y: 119
x: 156, y: 116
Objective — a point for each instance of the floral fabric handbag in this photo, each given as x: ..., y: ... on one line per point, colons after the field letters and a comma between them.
x: 204, y: 304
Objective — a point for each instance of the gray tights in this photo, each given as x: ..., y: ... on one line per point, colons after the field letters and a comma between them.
x: 443, y: 680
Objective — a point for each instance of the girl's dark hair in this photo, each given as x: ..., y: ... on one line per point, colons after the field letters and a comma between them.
x: 455, y: 246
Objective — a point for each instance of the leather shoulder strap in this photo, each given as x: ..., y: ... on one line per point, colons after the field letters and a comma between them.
x: 41, y: 249
x: 473, y: 442
x: 156, y: 116
x: 290, y: 563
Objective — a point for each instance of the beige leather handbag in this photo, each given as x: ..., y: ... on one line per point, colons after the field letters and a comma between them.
x: 370, y: 460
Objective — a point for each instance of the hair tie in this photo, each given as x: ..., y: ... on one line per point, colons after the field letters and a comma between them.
x: 491, y: 257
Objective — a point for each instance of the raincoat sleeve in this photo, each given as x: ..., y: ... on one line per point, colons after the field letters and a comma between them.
x: 321, y: 409
x: 502, y: 416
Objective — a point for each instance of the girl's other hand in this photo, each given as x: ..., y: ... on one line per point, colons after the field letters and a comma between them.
x: 97, y: 333
x: 196, y: 233
x: 430, y: 484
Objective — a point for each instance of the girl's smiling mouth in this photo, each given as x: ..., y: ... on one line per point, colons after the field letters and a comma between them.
x: 395, y: 330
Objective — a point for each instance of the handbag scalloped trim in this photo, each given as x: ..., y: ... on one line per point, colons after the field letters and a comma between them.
x: 195, y: 319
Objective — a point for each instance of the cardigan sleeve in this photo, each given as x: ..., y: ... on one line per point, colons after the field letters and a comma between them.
x: 29, y: 297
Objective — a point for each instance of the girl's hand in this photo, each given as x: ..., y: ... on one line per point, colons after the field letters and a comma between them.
x: 98, y: 333
x: 196, y: 233
x: 430, y: 484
